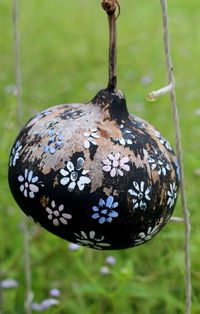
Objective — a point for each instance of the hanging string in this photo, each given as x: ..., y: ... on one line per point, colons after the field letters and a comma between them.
x: 171, y: 80
x: 16, y: 39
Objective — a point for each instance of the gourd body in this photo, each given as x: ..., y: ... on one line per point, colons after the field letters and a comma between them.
x: 95, y: 175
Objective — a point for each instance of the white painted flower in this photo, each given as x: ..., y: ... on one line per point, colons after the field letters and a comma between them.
x: 172, y: 194
x: 143, y: 237
x: 163, y: 140
x: 56, y: 214
x: 115, y: 164
x: 15, y: 153
x: 91, y: 240
x: 127, y: 137
x: 158, y: 163
x: 90, y: 138
x: 140, y: 195
x: 75, y: 175
x: 27, y: 187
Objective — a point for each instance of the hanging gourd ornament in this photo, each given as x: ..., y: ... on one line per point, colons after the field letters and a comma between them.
x: 92, y: 173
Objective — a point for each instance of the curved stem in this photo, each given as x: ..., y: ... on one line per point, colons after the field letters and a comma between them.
x: 110, y: 7
x: 112, y: 60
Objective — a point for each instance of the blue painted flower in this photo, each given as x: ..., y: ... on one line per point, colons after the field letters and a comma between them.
x: 54, y: 141
x: 104, y: 211
x: 45, y: 113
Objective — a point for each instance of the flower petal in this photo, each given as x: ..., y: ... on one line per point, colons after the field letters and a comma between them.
x: 102, y: 220
x: 142, y: 186
x: 103, y: 244
x: 111, y: 156
x: 125, y: 167
x: 56, y: 222
x: 136, y: 185
x: 21, y: 188
x: 86, y: 144
x: 115, y: 205
x: 122, y: 141
x: 33, y: 188
x: 106, y: 162
x: 20, y: 179
x: 95, y: 216
x: 71, y: 186
x: 95, y: 209
x: 101, y: 202
x: 63, y: 220
x: 31, y: 194
x: 124, y: 160
x: 52, y: 150
x: 70, y: 166
x: 113, y: 214
x: 104, y: 211
x: 120, y: 172
x: 48, y: 210
x: 84, y: 180
x: 113, y: 172
x: 30, y: 175
x: 107, y: 168
x: 35, y: 179
x: 61, y: 207
x: 92, y: 234
x: 117, y: 156
x: 79, y: 164
x: 64, y: 181
x: 26, y: 173
x: 67, y: 216
x: 64, y: 172
x: 109, y: 201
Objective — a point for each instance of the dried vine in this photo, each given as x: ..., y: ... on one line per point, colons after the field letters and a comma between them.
x: 171, y: 80
x: 16, y: 39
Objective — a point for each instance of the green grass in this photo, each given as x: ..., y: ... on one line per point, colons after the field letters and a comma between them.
x: 64, y: 59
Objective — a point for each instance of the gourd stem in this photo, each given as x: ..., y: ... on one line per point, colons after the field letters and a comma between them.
x: 110, y: 7
x: 112, y: 60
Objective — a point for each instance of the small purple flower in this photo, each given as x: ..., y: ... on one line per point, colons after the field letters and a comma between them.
x: 146, y: 79
x: 8, y: 283
x: 105, y: 212
x: 44, y: 305
x: 73, y: 246
x: 54, y: 292
x: 111, y: 260
x: 104, y: 270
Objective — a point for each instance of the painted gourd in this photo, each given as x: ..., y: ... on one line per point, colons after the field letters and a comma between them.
x: 94, y: 174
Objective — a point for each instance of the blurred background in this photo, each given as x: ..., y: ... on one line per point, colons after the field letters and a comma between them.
x: 64, y: 59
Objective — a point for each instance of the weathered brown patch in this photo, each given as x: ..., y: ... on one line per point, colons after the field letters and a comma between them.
x: 44, y: 201
x: 104, y: 133
x: 55, y: 182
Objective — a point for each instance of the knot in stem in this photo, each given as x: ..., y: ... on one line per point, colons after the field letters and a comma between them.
x: 109, y: 6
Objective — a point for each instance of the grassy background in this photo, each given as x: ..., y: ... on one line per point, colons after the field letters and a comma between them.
x: 64, y: 59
